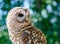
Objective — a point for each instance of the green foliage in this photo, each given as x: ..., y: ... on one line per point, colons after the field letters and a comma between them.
x: 4, y: 37
x: 47, y: 19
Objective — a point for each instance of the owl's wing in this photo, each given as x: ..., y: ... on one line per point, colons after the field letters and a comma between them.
x: 32, y: 35
x: 40, y: 35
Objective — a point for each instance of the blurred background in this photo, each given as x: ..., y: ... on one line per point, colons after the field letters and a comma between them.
x: 45, y: 15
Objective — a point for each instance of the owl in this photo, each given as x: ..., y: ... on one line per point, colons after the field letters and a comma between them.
x: 20, y: 28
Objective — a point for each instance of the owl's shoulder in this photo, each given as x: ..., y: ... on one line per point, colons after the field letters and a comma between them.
x: 33, y: 34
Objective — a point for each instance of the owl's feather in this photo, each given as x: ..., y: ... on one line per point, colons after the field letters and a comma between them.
x: 21, y: 30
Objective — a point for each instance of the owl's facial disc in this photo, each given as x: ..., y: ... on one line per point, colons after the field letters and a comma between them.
x: 21, y: 18
x: 22, y: 15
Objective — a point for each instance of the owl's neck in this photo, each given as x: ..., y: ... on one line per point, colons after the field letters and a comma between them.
x: 17, y: 31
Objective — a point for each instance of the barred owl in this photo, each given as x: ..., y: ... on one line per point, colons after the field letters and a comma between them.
x: 20, y: 28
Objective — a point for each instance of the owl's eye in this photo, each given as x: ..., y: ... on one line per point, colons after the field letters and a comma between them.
x: 20, y: 15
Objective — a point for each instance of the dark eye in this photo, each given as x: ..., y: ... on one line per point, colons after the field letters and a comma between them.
x: 20, y: 15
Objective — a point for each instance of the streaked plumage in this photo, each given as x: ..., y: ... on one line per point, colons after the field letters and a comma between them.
x: 20, y: 28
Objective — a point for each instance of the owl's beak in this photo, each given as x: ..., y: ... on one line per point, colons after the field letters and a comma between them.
x: 26, y: 19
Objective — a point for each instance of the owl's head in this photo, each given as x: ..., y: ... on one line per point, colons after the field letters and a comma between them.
x: 19, y: 16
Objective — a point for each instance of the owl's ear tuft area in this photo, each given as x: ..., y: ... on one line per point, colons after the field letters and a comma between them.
x: 26, y: 10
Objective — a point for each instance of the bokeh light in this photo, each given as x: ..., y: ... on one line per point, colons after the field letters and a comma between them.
x: 45, y: 15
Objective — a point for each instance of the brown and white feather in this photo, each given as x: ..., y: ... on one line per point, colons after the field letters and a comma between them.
x: 20, y: 28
